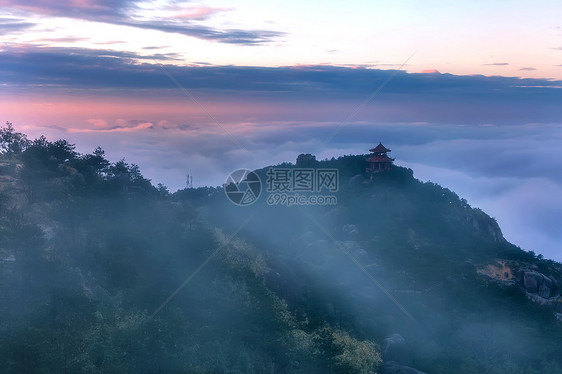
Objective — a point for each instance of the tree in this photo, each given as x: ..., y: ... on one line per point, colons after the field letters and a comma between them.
x: 12, y: 142
x: 48, y: 168
x: 163, y: 190
x: 94, y: 165
x: 129, y: 176
x: 306, y: 160
x: 135, y: 173
x: 62, y: 150
x: 346, y: 354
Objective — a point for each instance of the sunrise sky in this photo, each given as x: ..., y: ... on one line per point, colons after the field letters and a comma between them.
x: 467, y: 94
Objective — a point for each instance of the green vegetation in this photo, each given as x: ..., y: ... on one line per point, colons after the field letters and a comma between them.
x: 98, y: 251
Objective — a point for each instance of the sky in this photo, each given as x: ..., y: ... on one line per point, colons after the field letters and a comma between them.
x: 467, y: 94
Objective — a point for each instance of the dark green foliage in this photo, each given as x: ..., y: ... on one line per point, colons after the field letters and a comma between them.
x: 11, y: 142
x: 100, y: 252
x: 99, y: 249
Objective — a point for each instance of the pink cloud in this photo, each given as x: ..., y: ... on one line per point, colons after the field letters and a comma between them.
x: 140, y: 126
x: 430, y: 71
x: 86, y: 4
x: 198, y: 13
x: 99, y: 123
x: 49, y: 8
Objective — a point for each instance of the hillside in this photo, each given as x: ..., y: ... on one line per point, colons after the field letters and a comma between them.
x: 102, y: 272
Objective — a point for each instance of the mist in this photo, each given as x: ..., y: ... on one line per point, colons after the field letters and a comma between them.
x: 205, y: 188
x: 335, y: 269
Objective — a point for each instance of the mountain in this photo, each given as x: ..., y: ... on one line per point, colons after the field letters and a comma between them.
x: 101, y: 272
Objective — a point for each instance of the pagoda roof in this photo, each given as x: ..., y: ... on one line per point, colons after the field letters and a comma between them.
x: 377, y: 158
x: 379, y: 149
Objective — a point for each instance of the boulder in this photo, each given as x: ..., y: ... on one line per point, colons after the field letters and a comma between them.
x: 537, y: 283
x: 519, y: 276
x: 547, y: 282
x: 544, y: 291
x: 555, y: 285
x: 532, y: 280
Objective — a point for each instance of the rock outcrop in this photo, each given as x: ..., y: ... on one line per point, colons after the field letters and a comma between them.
x: 537, y: 283
x: 487, y: 226
x: 539, y: 288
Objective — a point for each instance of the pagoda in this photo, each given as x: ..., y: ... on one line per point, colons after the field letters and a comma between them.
x: 379, y: 161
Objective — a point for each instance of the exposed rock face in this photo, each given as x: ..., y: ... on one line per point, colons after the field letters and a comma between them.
x: 537, y: 283
x: 495, y: 232
x: 538, y: 287
x: 544, y: 291
x: 499, y: 270
x: 486, y: 226
x: 531, y: 281
x: 555, y: 303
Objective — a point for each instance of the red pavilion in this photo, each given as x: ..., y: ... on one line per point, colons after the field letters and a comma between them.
x: 379, y: 161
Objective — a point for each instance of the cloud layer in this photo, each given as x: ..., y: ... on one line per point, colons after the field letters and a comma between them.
x: 494, y: 140
x: 180, y: 20
x: 511, y: 172
x: 321, y: 92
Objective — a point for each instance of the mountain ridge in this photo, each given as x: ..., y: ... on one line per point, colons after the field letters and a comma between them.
x: 103, y: 272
